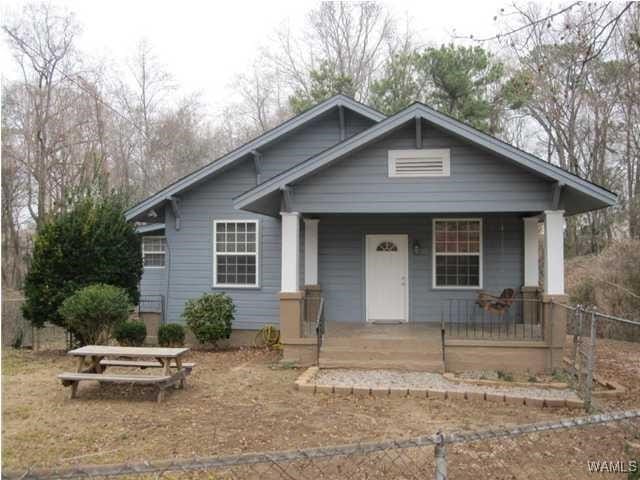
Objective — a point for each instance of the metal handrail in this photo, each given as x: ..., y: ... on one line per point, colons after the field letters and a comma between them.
x: 320, y: 328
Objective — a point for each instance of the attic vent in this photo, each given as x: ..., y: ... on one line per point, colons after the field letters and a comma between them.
x: 419, y: 163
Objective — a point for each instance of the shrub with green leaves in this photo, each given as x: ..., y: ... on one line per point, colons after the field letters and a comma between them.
x: 92, y: 312
x: 209, y: 317
x: 171, y: 335
x: 90, y: 243
x: 130, y: 333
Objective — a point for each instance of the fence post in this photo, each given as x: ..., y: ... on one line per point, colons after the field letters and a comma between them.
x: 588, y: 384
x: 577, y: 326
x: 441, y: 458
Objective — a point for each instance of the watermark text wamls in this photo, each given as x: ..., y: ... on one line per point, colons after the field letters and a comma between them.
x: 613, y: 466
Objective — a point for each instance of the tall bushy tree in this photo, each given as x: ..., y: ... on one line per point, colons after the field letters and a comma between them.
x: 87, y: 244
x: 400, y: 85
x: 464, y: 82
x: 324, y: 83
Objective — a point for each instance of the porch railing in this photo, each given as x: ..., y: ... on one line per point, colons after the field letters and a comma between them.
x: 151, y: 304
x: 466, y: 318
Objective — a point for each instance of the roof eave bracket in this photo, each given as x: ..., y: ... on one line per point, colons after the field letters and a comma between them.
x: 287, y: 192
x: 257, y: 163
x: 177, y: 213
x: 557, y: 195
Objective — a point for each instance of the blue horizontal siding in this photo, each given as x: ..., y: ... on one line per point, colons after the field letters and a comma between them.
x: 479, y: 182
x: 341, y: 261
x: 318, y: 135
x: 191, y: 250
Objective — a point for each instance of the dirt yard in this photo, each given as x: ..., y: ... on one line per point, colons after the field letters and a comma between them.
x: 236, y: 401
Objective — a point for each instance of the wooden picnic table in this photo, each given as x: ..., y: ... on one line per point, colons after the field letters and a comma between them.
x: 100, y: 357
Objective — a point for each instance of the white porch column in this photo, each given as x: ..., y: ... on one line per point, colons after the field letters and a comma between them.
x: 311, y: 251
x: 531, y: 255
x: 554, y: 252
x: 290, y: 252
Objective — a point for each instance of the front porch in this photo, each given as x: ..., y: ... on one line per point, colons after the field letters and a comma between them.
x: 435, y: 328
x: 451, y: 347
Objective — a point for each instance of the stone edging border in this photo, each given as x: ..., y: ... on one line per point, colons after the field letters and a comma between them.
x: 305, y: 383
x: 498, y: 383
x: 615, y: 389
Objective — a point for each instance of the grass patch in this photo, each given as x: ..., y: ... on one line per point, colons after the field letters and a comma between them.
x: 504, y: 376
x: 562, y: 376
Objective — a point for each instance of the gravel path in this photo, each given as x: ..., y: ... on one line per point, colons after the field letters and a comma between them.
x: 398, y: 379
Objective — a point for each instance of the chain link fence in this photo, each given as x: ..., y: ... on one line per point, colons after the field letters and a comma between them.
x: 17, y: 331
x: 587, y: 326
x: 568, y: 448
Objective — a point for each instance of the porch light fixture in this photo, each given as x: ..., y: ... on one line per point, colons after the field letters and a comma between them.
x: 417, y: 248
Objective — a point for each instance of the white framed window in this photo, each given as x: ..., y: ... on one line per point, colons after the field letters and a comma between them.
x: 428, y: 162
x: 457, y: 253
x: 153, y: 251
x: 235, y: 253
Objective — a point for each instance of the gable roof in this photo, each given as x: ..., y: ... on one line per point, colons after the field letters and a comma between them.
x: 449, y: 124
x: 240, y: 152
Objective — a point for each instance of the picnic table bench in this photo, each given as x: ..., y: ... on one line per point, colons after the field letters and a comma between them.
x: 174, y: 371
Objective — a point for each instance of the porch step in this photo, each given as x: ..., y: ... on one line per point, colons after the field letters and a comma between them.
x: 418, y: 366
x: 403, y: 343
x: 382, y: 354
x: 419, y: 348
x: 402, y: 347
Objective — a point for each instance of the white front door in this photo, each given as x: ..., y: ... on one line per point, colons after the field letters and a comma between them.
x: 387, y: 278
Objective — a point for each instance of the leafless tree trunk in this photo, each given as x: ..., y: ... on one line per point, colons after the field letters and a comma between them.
x: 567, y: 58
x: 43, y: 45
x: 354, y: 37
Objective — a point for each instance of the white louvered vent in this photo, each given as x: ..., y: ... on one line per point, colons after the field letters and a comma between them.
x: 433, y: 162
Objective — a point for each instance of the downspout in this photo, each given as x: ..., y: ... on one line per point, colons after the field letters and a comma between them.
x: 175, y: 208
x: 165, y: 306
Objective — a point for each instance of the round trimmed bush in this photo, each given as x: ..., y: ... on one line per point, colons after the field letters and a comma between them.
x: 171, y: 335
x: 131, y: 333
x: 209, y: 317
x: 92, y: 312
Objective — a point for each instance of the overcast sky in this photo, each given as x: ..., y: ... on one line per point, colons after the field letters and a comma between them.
x: 204, y: 44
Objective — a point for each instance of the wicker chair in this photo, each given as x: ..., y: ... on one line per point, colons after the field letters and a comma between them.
x: 496, y: 305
